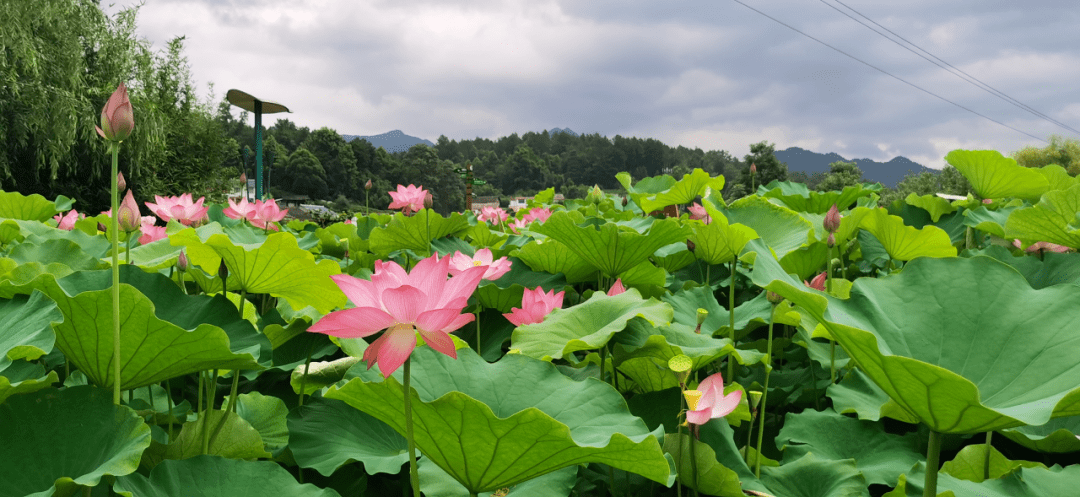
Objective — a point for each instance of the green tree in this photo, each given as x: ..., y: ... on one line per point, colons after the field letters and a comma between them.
x: 337, y: 160
x: 841, y: 174
x: 307, y: 174
x: 1060, y: 151
x: 769, y: 168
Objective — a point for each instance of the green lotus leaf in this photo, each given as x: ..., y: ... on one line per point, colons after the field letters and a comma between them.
x: 990, y: 221
x: 558, y: 483
x: 237, y: 439
x: 905, y: 242
x: 482, y: 236
x: 318, y: 375
x: 14, y: 205
x: 553, y: 257
x: 645, y: 276
x: 210, y: 476
x: 970, y: 464
x: 648, y: 374
x: 65, y: 252
x: 645, y: 186
x: 25, y: 328
x: 797, y: 197
x: 154, y: 256
x: 1056, y: 436
x: 414, y: 232
x: 857, y: 394
x: 719, y: 242
x: 993, y: 175
x: 611, y: 249
x: 1057, y: 177
x: 55, y: 440
x: 641, y: 340
x: 812, y: 476
x: 712, y: 477
x: 24, y: 377
x: 939, y: 329
x: 163, y: 338
x: 326, y: 434
x: 683, y: 191
x: 806, y: 262
x: 588, y: 325
x: 932, y: 204
x: 505, y: 292
x: 266, y: 414
x: 781, y: 228
x: 881, y: 457
x: 23, y: 279
x: 1022, y: 482
x: 1053, y: 269
x: 673, y: 257
x: 1052, y: 220
x: 497, y: 425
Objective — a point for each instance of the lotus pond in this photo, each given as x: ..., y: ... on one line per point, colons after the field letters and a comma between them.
x: 772, y: 346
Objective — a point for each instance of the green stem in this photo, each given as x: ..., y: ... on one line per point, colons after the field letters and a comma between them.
x: 933, y: 452
x: 708, y: 276
x: 479, y: 350
x: 611, y: 481
x: 764, y: 398
x: 986, y: 462
x: 832, y: 361
x: 168, y: 397
x: 211, y: 386
x: 749, y: 438
x: 307, y: 368
x: 231, y: 409
x: 603, y: 362
x: 693, y: 463
x: 678, y: 466
x: 199, y: 408
x: 115, y: 227
x: 127, y: 250
x: 243, y: 297
x: 414, y: 474
x: 969, y: 238
x: 731, y: 313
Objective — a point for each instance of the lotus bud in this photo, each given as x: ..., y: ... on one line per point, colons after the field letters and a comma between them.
x: 367, y: 186
x: 128, y: 214
x: 101, y: 228
x: 690, y: 246
x: 182, y: 262
x: 753, y: 169
x: 595, y: 195
x: 223, y: 271
x: 773, y: 298
x: 121, y: 184
x: 117, y: 119
x: 832, y: 219
x: 624, y: 201
x: 428, y: 200
x: 831, y: 240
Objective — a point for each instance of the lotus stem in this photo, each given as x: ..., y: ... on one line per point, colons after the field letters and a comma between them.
x: 307, y: 368
x: 678, y: 434
x: 611, y: 480
x: 127, y: 250
x: 693, y: 462
x: 168, y: 397
x: 114, y: 225
x: 211, y: 386
x: 969, y: 238
x: 731, y: 314
x: 933, y: 452
x: 479, y: 350
x: 764, y: 397
x: 232, y: 406
x: 414, y: 474
x: 986, y: 462
x: 603, y: 362
x: 749, y: 433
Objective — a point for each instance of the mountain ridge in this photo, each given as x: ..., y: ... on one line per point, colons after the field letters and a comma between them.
x: 393, y: 141
x: 887, y: 173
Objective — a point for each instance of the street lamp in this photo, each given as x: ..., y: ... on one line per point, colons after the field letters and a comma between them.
x: 259, y: 107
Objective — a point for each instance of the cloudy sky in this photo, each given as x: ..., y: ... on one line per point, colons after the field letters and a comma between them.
x: 712, y: 74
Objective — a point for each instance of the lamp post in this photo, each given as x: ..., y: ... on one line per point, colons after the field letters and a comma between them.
x: 259, y: 107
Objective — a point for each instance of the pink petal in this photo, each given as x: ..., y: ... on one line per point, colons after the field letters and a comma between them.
x: 442, y: 320
x: 698, y: 417
x: 361, y: 293
x: 353, y: 323
x: 398, y: 342
x: 429, y: 275
x: 404, y: 303
x: 727, y: 404
x: 616, y: 289
x: 439, y: 341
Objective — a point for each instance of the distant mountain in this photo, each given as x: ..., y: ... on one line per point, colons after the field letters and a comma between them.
x: 394, y: 141
x: 562, y: 130
x: 887, y: 173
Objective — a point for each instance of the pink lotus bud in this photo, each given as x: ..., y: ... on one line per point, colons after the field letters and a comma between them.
x: 690, y: 246
x: 101, y: 228
x: 117, y: 119
x: 128, y: 214
x: 182, y: 262
x: 428, y: 200
x: 121, y: 184
x: 832, y: 219
x: 753, y: 169
x: 624, y: 201
x: 987, y: 201
x: 831, y: 240
x: 367, y: 186
x: 223, y: 271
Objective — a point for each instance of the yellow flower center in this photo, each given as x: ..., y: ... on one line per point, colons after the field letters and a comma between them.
x: 692, y: 398
x: 477, y: 263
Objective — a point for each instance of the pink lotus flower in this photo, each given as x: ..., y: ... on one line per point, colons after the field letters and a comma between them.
x: 117, y: 118
x: 494, y: 215
x: 266, y: 212
x: 1037, y: 246
x: 535, y: 306
x: 709, y: 402
x: 617, y: 288
x: 518, y: 224
x: 537, y: 214
x: 179, y: 208
x: 350, y: 221
x: 697, y: 211
x: 67, y: 221
x: 150, y: 232
x: 239, y: 210
x: 128, y: 213
x: 818, y: 283
x: 402, y: 304
x: 408, y: 198
x: 483, y: 258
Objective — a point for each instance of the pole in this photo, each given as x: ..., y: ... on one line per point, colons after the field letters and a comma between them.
x: 468, y: 187
x: 258, y: 150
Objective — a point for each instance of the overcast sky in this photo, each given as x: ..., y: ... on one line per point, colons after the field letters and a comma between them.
x: 711, y: 74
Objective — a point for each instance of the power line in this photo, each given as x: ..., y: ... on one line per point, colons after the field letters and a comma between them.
x: 888, y: 73
x: 938, y: 62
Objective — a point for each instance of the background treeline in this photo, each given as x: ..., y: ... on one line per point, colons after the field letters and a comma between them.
x: 63, y: 58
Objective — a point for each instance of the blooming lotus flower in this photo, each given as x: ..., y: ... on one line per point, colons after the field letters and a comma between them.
x: 423, y: 300
x: 616, y: 289
x: 518, y: 224
x: 535, y: 306
x: 179, y: 208
x: 709, y: 402
x: 818, y: 283
x: 537, y: 214
x: 483, y: 258
x: 697, y: 211
x: 1053, y: 247
x: 832, y: 219
x: 239, y: 210
x: 67, y: 221
x: 408, y: 198
x: 150, y: 231
x: 494, y: 215
x: 348, y: 221
x: 117, y: 118
x: 266, y: 212
x: 128, y: 214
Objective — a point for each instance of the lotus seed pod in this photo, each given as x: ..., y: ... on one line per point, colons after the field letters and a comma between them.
x: 680, y: 363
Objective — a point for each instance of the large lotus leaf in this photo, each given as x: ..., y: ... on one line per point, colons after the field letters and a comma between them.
x: 1022, y: 482
x: 34, y: 207
x: 25, y: 328
x: 211, y: 476
x: 496, y: 425
x: 993, y: 175
x: 990, y: 221
x: 932, y: 204
x: 965, y: 345
x: 905, y: 242
x: 712, y: 477
x: 682, y: 192
x: 154, y: 256
x: 1052, y: 269
x: 158, y: 341
x: 797, y: 197
x: 327, y: 434
x: 781, y: 228
x: 812, y: 476
x: 719, y: 242
x: 1052, y: 220
x: 1057, y: 177
x: 807, y: 262
x: 1056, y: 436
x: 414, y: 232
x: 553, y: 257
x: 611, y: 249
x: 437, y: 483
x: 673, y: 257
x: 318, y: 375
x: 970, y: 464
x: 65, y: 252
x: 881, y: 457
x: 266, y: 414
x: 588, y: 325
x: 859, y: 395
x: 237, y: 439
x: 24, y: 377
x: 56, y: 439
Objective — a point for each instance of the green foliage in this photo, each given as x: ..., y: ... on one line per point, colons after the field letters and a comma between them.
x: 840, y: 175
x: 1064, y: 152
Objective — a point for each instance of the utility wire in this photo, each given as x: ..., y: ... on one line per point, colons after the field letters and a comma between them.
x: 888, y: 73
x: 939, y: 62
